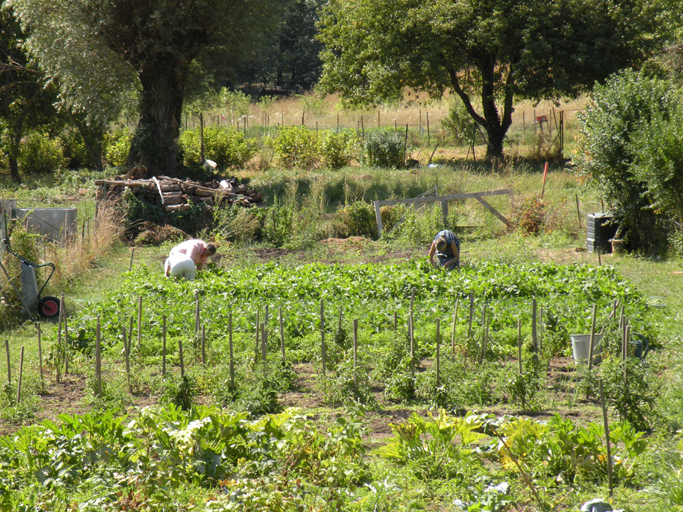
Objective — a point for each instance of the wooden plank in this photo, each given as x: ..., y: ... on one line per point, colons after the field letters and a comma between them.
x: 378, y: 218
x: 493, y: 210
x: 451, y: 197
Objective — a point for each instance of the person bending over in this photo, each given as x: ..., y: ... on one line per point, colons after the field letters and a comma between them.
x: 446, y: 248
x: 186, y: 258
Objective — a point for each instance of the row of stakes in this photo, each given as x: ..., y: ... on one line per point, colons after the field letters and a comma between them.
x: 261, y: 340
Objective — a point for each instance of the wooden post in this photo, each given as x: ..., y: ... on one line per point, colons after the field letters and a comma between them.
x: 130, y: 265
x: 519, y: 344
x: 412, y: 342
x: 455, y: 319
x: 180, y: 353
x: 139, y: 321
x: 469, y: 325
x: 60, y: 350
x: 21, y: 371
x: 438, y: 352
x: 355, y: 352
x: 203, y: 344
x: 163, y: 346
x: 130, y: 328
x: 429, y: 143
x: 322, y: 333
x: 534, y: 337
x: 232, y: 359
x: 395, y: 321
x: 578, y: 212
x: 339, y: 327
x: 197, y: 317
x: 592, y: 338
x: 9, y: 371
x: 40, y: 356
x: 483, y: 333
x: 607, y: 438
x: 264, y: 354
x: 98, y: 357
x: 126, y: 350
x: 258, y: 336
x: 627, y: 338
x: 282, y: 338
x: 62, y: 313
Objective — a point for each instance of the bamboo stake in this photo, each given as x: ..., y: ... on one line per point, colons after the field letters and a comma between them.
x: 9, y: 371
x: 534, y: 334
x: 339, y: 327
x: 395, y: 321
x: 592, y: 339
x: 180, y: 353
x: 264, y: 343
x: 438, y: 352
x: 519, y: 344
x: 40, y: 356
x: 627, y: 338
x: 58, y: 359
x: 232, y: 359
x: 455, y: 319
x: 163, y: 346
x: 126, y: 350
x: 282, y: 338
x: 355, y: 353
x: 607, y: 437
x: 98, y: 357
x: 130, y: 327
x: 322, y: 333
x: 469, y: 327
x: 203, y: 344
x: 258, y: 336
x: 130, y: 265
x: 62, y: 314
x: 483, y: 333
x: 21, y: 372
x: 197, y: 317
x: 412, y: 343
x: 139, y: 320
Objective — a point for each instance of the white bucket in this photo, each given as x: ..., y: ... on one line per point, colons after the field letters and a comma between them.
x: 581, y: 347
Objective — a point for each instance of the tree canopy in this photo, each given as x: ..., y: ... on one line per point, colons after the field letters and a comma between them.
x: 487, y: 52
x: 97, y: 45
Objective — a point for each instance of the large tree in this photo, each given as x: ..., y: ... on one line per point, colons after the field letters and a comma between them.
x: 487, y: 52
x: 25, y: 100
x: 96, y: 42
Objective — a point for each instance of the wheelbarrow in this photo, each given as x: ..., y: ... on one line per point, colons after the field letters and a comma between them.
x: 32, y: 297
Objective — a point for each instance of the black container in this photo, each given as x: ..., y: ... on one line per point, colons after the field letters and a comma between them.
x: 600, y: 230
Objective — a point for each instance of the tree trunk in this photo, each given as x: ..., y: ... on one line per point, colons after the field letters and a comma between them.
x: 14, y: 169
x: 155, y: 143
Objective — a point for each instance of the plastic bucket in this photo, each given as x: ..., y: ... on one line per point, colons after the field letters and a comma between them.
x: 581, y: 347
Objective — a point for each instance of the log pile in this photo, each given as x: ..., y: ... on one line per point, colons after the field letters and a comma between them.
x: 179, y: 195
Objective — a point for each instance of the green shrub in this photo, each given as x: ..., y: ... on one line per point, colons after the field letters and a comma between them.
x: 620, y: 109
x: 531, y: 215
x: 359, y: 220
x: 459, y: 123
x: 339, y: 149
x: 297, y: 147
x: 116, y: 147
x: 74, y: 149
x: 385, y: 148
x: 40, y: 154
x: 226, y: 146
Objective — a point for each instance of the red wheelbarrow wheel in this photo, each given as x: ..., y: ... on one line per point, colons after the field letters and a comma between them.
x: 48, y: 307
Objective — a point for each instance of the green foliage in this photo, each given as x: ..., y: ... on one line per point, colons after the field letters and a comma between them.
x: 437, y: 447
x: 347, y: 386
x: 359, y: 220
x: 116, y: 147
x: 40, y: 154
x: 339, y: 149
x: 384, y: 148
x: 459, y: 124
x: 578, y: 453
x: 615, y: 129
x: 226, y: 146
x: 297, y: 147
x: 278, y: 225
x: 531, y: 215
x: 179, y: 391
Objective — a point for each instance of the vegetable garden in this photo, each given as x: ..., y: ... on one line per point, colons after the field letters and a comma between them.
x: 443, y: 356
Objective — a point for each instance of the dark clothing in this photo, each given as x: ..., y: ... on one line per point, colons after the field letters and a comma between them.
x: 447, y: 253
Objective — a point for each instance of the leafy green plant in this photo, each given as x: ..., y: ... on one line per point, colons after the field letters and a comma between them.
x: 179, y: 391
x: 359, y: 220
x: 224, y: 145
x: 347, y: 385
x: 339, y: 149
x: 436, y: 447
x: 384, y: 148
x: 297, y: 147
x: 39, y: 153
x: 116, y: 147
